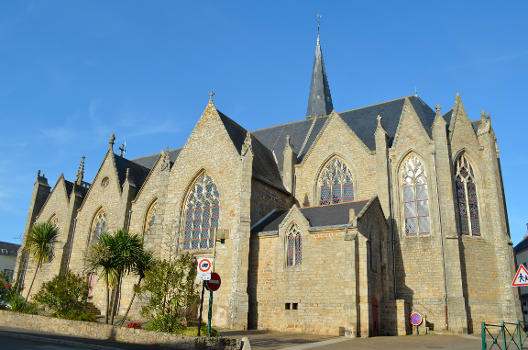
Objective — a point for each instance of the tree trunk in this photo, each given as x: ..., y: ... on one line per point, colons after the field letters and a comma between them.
x: 116, y: 295
x: 33, y: 280
x: 107, y: 298
x: 131, y: 301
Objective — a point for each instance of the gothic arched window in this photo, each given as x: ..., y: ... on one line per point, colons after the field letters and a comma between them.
x: 202, y: 210
x: 335, y: 183
x: 415, y: 197
x: 293, y: 246
x: 150, y: 218
x: 98, y: 225
x: 467, y: 203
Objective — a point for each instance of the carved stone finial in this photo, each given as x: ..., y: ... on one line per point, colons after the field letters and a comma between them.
x: 379, y: 117
x: 211, y: 94
x: 80, y: 172
x: 247, y: 144
x: 438, y: 108
x: 127, y: 173
x: 165, y: 159
x: 482, y: 115
x: 112, y: 140
x: 489, y: 118
x: 38, y: 173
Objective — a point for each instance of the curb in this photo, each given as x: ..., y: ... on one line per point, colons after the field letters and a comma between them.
x: 71, y: 343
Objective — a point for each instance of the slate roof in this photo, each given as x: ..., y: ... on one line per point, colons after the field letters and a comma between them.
x: 69, y: 187
x: 319, y: 216
x: 363, y: 121
x: 150, y: 161
x: 137, y: 175
x: 521, y: 246
x: 319, y: 99
x: 11, y: 248
x: 264, y: 166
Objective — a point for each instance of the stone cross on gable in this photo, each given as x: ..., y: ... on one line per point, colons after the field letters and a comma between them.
x: 211, y: 94
x: 122, y: 149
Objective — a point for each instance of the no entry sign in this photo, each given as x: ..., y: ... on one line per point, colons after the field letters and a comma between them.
x: 416, y: 319
x: 214, y: 283
x: 204, y: 268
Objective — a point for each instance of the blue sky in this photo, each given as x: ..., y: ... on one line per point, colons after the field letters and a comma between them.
x: 72, y: 72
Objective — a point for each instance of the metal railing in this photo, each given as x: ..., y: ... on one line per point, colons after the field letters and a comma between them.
x: 507, y: 335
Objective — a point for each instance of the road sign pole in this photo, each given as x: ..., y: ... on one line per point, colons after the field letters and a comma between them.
x: 210, y: 315
x: 201, y: 308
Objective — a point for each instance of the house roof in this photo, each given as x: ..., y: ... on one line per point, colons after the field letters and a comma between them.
x: 11, y: 248
x: 522, y: 245
x: 318, y: 216
x: 150, y: 161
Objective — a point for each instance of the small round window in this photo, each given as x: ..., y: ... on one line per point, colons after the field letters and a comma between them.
x: 105, y: 182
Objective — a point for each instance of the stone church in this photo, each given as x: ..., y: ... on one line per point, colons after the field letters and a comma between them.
x: 339, y: 223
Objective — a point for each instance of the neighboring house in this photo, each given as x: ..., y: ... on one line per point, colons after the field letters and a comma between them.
x: 521, y: 257
x: 338, y: 223
x: 8, y: 257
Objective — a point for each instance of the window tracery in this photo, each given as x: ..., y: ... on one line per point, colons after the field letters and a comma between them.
x: 467, y: 202
x: 415, y: 197
x: 335, y: 183
x: 202, y: 210
x: 150, y: 218
x: 99, y: 225
x: 293, y: 246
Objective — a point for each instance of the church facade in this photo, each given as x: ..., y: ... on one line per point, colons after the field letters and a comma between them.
x: 340, y: 223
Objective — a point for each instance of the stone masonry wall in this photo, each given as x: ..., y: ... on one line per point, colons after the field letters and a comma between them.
x: 93, y: 330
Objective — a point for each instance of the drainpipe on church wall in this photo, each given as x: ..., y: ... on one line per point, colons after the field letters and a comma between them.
x: 441, y: 242
x: 128, y: 219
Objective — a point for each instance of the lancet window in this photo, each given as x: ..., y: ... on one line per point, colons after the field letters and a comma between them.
x: 202, y: 210
x: 99, y: 225
x: 150, y: 218
x: 467, y: 203
x: 415, y: 197
x: 335, y: 183
x: 293, y: 246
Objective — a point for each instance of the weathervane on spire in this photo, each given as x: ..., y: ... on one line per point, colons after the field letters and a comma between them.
x: 318, y: 23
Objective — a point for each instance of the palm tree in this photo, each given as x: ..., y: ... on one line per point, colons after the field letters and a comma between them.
x: 39, y: 244
x: 144, y: 263
x: 127, y: 249
x: 101, y: 258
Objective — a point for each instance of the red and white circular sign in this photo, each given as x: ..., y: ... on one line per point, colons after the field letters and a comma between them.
x: 205, y: 265
x: 214, y: 283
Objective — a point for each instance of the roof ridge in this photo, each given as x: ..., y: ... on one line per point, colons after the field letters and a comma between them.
x: 131, y: 161
x: 377, y: 104
x: 150, y: 155
x: 231, y: 120
x: 276, y: 126
x: 327, y: 205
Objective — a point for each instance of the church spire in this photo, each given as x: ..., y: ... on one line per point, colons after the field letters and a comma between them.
x: 319, y: 100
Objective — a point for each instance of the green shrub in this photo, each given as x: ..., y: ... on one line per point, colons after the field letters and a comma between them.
x: 170, y: 291
x: 64, y: 296
x: 79, y: 315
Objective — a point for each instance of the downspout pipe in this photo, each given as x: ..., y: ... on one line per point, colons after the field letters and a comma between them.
x: 442, y: 244
x: 70, y: 248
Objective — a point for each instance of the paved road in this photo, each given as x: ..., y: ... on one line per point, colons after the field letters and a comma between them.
x: 10, y: 343
x: 261, y: 340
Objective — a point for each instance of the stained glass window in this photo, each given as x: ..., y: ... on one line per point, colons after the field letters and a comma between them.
x: 466, y: 192
x: 201, y: 215
x: 99, y: 225
x: 415, y: 197
x: 335, y: 183
x: 150, y: 218
x: 294, y: 247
